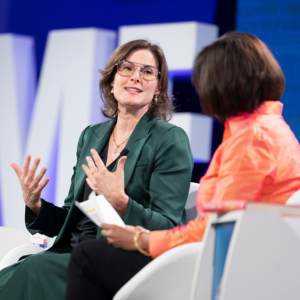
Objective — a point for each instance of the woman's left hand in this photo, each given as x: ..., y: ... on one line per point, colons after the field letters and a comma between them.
x: 121, y: 237
x: 103, y: 182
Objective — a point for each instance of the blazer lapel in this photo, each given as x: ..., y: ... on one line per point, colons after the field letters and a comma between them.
x: 97, y: 141
x: 136, y: 143
x: 99, y: 138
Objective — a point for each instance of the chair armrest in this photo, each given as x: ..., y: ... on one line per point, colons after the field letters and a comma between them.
x: 13, y: 255
x: 169, y: 276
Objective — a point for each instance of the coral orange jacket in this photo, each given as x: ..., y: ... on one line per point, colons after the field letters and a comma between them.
x: 258, y: 160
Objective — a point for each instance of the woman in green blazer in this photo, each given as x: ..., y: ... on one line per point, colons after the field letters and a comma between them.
x: 155, y: 177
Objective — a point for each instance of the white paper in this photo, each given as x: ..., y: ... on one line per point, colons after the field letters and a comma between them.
x: 99, y: 210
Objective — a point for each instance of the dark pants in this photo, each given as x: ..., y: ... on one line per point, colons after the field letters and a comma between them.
x: 97, y: 270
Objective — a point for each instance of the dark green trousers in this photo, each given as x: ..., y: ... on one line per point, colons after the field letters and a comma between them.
x: 39, y: 276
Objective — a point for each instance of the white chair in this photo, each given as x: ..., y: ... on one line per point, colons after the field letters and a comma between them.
x: 25, y: 248
x: 11, y: 238
x: 13, y: 256
x: 248, y: 254
x: 190, y: 206
x: 293, y: 222
x: 170, y: 275
x: 294, y: 199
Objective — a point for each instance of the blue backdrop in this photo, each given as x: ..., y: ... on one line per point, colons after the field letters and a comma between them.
x: 36, y: 17
x: 277, y: 23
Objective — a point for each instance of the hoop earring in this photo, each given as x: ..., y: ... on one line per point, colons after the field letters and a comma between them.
x: 156, y: 98
x: 112, y: 90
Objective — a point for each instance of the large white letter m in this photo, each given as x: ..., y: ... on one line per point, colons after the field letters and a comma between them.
x: 48, y: 125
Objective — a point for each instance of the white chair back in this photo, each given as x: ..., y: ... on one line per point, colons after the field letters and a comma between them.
x: 11, y: 238
x: 168, y: 276
x: 13, y: 255
x: 294, y: 199
x: 293, y: 222
x: 190, y: 206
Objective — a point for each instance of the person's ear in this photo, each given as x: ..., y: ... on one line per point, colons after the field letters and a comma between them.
x: 112, y: 88
x: 157, y: 91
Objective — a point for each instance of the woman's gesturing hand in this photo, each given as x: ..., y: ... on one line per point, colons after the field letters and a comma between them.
x: 103, y: 182
x: 121, y: 237
x: 30, y: 184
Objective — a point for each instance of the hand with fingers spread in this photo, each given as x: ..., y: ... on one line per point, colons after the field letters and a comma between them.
x: 103, y: 182
x: 121, y: 237
x: 30, y: 183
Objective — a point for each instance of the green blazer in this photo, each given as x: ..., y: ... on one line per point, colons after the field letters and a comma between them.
x: 157, y: 179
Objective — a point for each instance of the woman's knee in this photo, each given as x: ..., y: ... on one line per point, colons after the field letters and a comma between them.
x: 82, y: 253
x: 88, y: 252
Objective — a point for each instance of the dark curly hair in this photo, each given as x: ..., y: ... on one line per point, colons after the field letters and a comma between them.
x: 163, y: 108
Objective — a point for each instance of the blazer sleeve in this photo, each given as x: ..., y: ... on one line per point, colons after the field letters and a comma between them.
x: 169, y: 184
x: 51, y: 218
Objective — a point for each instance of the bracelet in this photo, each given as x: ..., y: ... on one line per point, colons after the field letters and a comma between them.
x: 136, y: 243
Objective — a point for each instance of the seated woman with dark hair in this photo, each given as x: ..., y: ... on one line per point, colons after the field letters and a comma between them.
x: 240, y: 82
x: 150, y: 189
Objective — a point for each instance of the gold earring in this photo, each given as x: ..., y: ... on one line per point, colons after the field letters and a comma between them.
x: 112, y: 90
x: 156, y: 98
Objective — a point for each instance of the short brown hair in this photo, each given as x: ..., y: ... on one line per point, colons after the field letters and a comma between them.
x: 162, y: 108
x: 235, y: 74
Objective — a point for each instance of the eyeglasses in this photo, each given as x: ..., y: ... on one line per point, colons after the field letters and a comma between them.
x: 127, y: 68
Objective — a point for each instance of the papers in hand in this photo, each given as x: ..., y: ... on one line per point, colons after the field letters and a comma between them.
x: 99, y: 210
